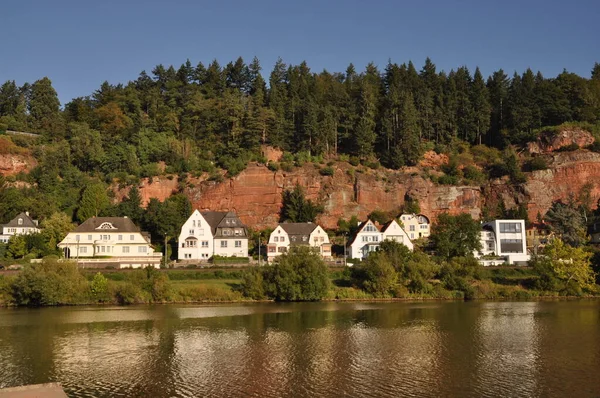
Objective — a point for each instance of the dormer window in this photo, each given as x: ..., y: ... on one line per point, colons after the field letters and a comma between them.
x: 106, y: 225
x: 20, y: 222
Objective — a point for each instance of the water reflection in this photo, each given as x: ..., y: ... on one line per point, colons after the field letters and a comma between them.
x: 307, y: 350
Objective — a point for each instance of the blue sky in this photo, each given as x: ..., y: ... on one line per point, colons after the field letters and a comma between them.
x: 80, y: 44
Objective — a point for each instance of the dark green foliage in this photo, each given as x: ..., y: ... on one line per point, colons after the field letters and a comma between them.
x: 49, y: 283
x: 300, y: 275
x: 455, y: 236
x: 327, y: 171
x: 376, y: 275
x: 537, y: 163
x: 296, y: 208
x: 567, y: 222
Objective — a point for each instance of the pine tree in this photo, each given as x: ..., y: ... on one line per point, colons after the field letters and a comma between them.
x: 44, y: 107
x: 481, y: 106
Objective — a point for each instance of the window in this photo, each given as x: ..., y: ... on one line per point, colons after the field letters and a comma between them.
x: 364, y: 238
x: 187, y: 255
x: 204, y: 243
x: 272, y: 249
x: 510, y: 227
x: 412, y: 227
x: 282, y: 238
x: 77, y: 238
x: 281, y: 249
x: 223, y: 243
x: 193, y: 223
x: 125, y: 249
x: 226, y: 232
x: 142, y: 249
x: 376, y: 239
x: 238, y: 243
x: 276, y: 239
x: 131, y: 237
x: 106, y: 225
x: 191, y: 243
x: 511, y: 245
x: 204, y: 255
x: 191, y: 232
x: 120, y: 237
x: 103, y: 249
x: 238, y: 232
x: 89, y: 237
x: 83, y: 249
x: 20, y: 222
x: 370, y: 228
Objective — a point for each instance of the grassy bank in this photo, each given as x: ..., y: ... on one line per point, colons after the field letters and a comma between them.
x: 53, y: 283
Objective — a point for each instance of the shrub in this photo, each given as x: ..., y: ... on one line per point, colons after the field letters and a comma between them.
x: 287, y: 166
x: 327, y: 171
x: 376, y: 275
x: 354, y: 161
x: 99, y: 288
x: 50, y: 283
x: 273, y: 166
x: 300, y: 275
x: 253, y: 284
x: 128, y: 293
x: 537, y: 163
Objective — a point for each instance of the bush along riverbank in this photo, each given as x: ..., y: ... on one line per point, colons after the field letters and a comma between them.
x: 393, y: 272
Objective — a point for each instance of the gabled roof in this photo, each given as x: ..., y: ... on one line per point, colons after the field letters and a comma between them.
x: 299, y: 232
x: 109, y: 224
x: 361, y: 226
x: 387, y: 225
x: 213, y: 218
x: 218, y: 219
x: 28, y: 222
x: 298, y: 228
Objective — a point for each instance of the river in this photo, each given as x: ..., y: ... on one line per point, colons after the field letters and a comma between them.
x: 428, y: 349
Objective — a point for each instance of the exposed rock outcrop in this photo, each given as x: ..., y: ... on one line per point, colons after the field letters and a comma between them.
x: 14, y: 164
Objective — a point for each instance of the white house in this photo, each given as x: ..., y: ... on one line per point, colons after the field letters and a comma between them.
x: 504, y: 239
x: 115, y: 241
x: 22, y: 224
x: 211, y: 233
x: 288, y: 235
x: 370, y: 235
x: 416, y: 225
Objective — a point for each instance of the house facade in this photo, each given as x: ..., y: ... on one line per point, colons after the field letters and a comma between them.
x: 416, y: 225
x: 210, y: 233
x: 505, y: 240
x: 114, y: 241
x: 288, y: 235
x: 370, y: 235
x: 22, y: 224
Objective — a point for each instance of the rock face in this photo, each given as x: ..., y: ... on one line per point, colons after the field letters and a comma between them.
x: 14, y: 164
x: 551, y: 141
x: 569, y: 172
x: 255, y: 195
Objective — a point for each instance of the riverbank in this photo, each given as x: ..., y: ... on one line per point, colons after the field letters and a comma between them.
x: 50, y: 285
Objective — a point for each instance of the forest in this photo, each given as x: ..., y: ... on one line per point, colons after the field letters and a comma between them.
x: 213, y: 120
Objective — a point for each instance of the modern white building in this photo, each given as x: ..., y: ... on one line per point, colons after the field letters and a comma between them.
x: 212, y: 233
x: 416, y: 225
x: 504, y: 240
x: 22, y: 224
x: 114, y: 241
x: 370, y: 235
x: 288, y: 235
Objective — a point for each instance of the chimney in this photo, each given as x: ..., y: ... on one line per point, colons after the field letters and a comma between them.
x: 124, y: 216
x: 27, y: 213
